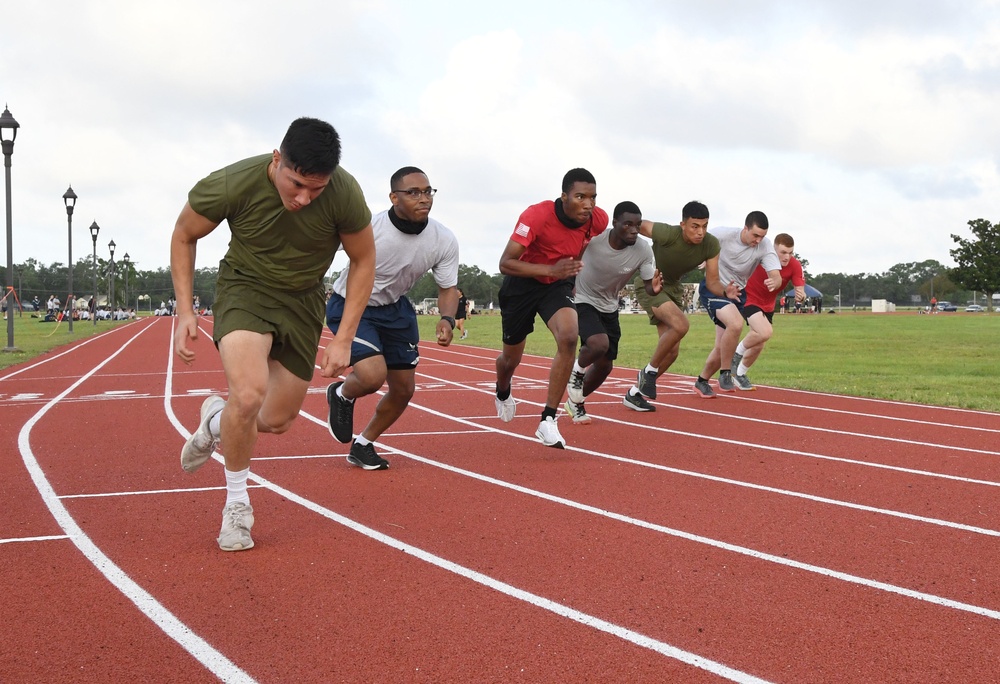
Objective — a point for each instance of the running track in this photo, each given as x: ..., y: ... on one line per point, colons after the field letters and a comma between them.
x: 779, y: 535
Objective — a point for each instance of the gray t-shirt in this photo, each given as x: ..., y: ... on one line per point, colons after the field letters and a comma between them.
x: 401, y: 259
x: 737, y: 261
x: 606, y: 270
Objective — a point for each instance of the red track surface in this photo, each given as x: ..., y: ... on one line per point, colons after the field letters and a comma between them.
x: 777, y: 535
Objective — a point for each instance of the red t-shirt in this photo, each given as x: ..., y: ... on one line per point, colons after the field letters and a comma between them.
x: 759, y: 295
x: 547, y: 240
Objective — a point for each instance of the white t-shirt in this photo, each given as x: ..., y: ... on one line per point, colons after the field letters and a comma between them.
x: 606, y: 270
x: 401, y: 259
x: 737, y: 261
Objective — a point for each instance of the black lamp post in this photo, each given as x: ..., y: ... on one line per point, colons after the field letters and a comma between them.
x: 94, y: 230
x: 111, y: 283
x: 125, y: 261
x: 8, y: 127
x: 69, y: 199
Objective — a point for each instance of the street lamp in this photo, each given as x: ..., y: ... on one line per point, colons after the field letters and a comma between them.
x: 69, y: 199
x: 111, y: 285
x: 125, y: 260
x: 94, y: 230
x: 8, y: 127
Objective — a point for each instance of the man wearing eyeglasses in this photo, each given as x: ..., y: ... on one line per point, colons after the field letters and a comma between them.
x: 288, y: 212
x: 540, y: 262
x: 408, y: 243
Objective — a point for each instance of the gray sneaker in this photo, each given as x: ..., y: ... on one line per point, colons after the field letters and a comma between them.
x: 726, y: 382
x: 735, y: 365
x: 743, y: 383
x: 237, y: 519
x: 577, y: 412
x: 646, y: 384
x: 637, y: 402
x: 200, y: 445
x: 575, y: 387
x: 703, y: 389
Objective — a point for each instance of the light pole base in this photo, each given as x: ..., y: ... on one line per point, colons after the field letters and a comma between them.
x: 11, y: 350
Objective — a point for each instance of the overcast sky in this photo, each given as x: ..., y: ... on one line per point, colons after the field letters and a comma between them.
x: 866, y: 129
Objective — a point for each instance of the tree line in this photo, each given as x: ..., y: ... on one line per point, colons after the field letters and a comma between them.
x: 976, y: 274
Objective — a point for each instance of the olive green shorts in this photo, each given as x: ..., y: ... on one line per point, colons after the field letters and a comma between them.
x: 672, y: 292
x: 293, y: 319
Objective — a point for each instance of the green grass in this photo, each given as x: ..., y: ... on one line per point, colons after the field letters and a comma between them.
x: 33, y: 338
x: 946, y: 360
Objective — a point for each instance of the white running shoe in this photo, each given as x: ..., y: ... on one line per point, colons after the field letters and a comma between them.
x: 200, y: 445
x: 237, y: 519
x: 505, y: 408
x: 575, y: 387
x: 548, y: 433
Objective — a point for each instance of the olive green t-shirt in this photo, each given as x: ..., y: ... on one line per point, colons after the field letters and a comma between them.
x: 285, y: 250
x: 675, y: 258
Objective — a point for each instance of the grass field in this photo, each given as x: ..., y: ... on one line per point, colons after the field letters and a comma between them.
x: 947, y: 359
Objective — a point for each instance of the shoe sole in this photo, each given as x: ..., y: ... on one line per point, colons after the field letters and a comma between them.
x: 703, y: 395
x: 331, y: 396
x: 361, y: 464
x: 724, y: 389
x: 237, y: 547
x: 746, y: 389
x: 192, y: 466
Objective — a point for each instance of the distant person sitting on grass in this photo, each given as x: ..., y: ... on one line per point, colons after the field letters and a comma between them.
x: 759, y: 309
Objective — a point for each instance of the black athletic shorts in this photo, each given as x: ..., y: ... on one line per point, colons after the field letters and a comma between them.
x: 749, y: 311
x: 521, y: 298
x: 594, y: 322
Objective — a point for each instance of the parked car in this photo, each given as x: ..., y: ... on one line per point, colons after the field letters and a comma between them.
x: 946, y: 306
x: 974, y: 308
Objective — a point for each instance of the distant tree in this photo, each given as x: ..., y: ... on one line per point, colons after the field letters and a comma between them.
x: 978, y: 259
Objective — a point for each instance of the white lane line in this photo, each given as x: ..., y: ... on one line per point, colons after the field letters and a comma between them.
x: 33, y: 539
x: 480, y: 578
x: 200, y: 649
x: 715, y: 543
x: 756, y: 445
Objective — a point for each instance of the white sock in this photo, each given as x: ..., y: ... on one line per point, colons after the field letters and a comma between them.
x: 360, y: 439
x: 742, y: 370
x: 340, y: 393
x: 215, y: 425
x: 649, y: 368
x: 236, y: 487
x: 740, y: 349
x: 577, y: 368
x: 633, y: 391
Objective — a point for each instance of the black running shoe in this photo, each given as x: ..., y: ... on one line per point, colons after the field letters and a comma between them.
x: 646, y: 383
x: 340, y: 420
x: 637, y: 402
x: 364, y: 456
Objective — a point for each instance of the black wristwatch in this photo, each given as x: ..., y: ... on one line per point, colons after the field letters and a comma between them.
x: 451, y: 321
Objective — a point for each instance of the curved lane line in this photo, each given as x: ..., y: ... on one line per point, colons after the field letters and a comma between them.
x: 200, y: 649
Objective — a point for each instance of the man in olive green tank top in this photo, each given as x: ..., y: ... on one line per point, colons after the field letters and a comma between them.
x: 288, y: 212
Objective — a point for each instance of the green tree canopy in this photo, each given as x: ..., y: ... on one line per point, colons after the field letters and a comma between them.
x: 978, y: 259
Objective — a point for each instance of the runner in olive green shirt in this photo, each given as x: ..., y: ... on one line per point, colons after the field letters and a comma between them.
x: 677, y: 250
x: 288, y: 212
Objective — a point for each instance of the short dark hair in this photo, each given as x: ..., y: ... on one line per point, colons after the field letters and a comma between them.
x: 577, y: 176
x: 756, y: 218
x: 785, y: 240
x: 694, y: 209
x: 626, y: 207
x: 311, y: 147
x: 405, y: 171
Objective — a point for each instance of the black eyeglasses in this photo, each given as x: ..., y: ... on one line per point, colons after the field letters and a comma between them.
x: 414, y: 193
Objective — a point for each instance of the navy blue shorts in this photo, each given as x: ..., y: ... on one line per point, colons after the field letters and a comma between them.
x: 712, y: 303
x: 390, y: 331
